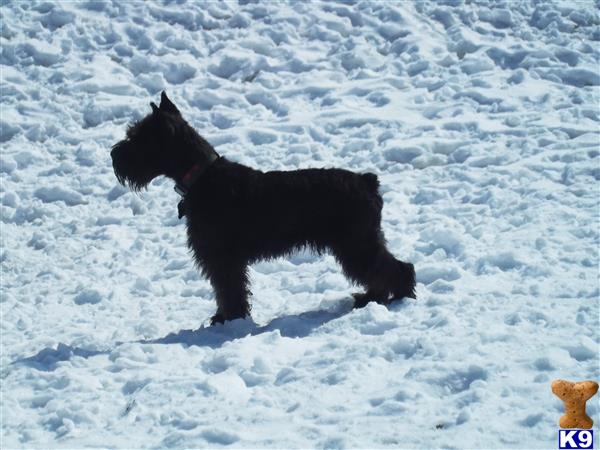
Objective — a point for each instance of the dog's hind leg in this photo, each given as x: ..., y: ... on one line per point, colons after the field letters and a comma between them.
x: 368, y: 262
x: 397, y: 276
x: 230, y: 283
x: 360, y: 260
x: 403, y: 278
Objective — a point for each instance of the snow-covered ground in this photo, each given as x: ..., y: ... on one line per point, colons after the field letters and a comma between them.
x: 482, y: 122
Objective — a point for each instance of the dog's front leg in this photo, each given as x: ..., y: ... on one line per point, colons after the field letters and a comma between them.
x: 230, y: 282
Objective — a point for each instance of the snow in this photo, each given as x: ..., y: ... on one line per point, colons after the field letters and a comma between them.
x: 481, y: 121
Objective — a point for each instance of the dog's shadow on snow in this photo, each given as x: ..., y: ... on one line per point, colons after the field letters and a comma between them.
x: 294, y: 325
x: 47, y: 359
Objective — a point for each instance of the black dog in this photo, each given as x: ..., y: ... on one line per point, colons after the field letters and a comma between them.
x: 237, y: 215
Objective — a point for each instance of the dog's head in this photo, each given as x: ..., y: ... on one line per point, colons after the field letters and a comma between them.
x: 150, y: 147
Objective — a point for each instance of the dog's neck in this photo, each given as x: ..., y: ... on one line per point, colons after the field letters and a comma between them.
x: 194, y: 171
x: 184, y: 183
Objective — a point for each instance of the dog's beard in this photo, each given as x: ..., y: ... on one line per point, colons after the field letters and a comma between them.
x: 131, y: 173
x: 136, y: 182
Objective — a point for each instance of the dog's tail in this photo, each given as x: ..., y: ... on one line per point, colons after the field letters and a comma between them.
x: 372, y: 183
x: 371, y: 180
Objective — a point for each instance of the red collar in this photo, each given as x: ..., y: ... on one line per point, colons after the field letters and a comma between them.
x: 188, y: 179
x: 183, y: 186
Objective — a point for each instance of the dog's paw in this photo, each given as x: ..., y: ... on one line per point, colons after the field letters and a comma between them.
x: 361, y: 299
x: 408, y: 293
x: 220, y: 318
x: 217, y: 319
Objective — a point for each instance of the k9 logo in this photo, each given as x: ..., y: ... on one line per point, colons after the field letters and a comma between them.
x: 568, y: 439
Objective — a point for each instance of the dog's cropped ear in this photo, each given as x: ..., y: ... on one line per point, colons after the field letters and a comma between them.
x: 167, y: 105
x: 154, y: 107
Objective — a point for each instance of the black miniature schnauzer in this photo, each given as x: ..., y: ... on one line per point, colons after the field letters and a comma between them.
x: 237, y: 215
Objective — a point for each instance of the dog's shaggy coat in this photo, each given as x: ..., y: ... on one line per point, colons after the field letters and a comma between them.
x: 237, y: 215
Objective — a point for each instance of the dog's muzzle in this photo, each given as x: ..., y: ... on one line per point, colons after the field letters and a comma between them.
x: 117, y: 155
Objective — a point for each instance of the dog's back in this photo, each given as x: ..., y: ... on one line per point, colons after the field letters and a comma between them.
x: 290, y: 208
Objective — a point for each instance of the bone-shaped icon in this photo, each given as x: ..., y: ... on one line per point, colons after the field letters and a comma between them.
x: 574, y: 395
